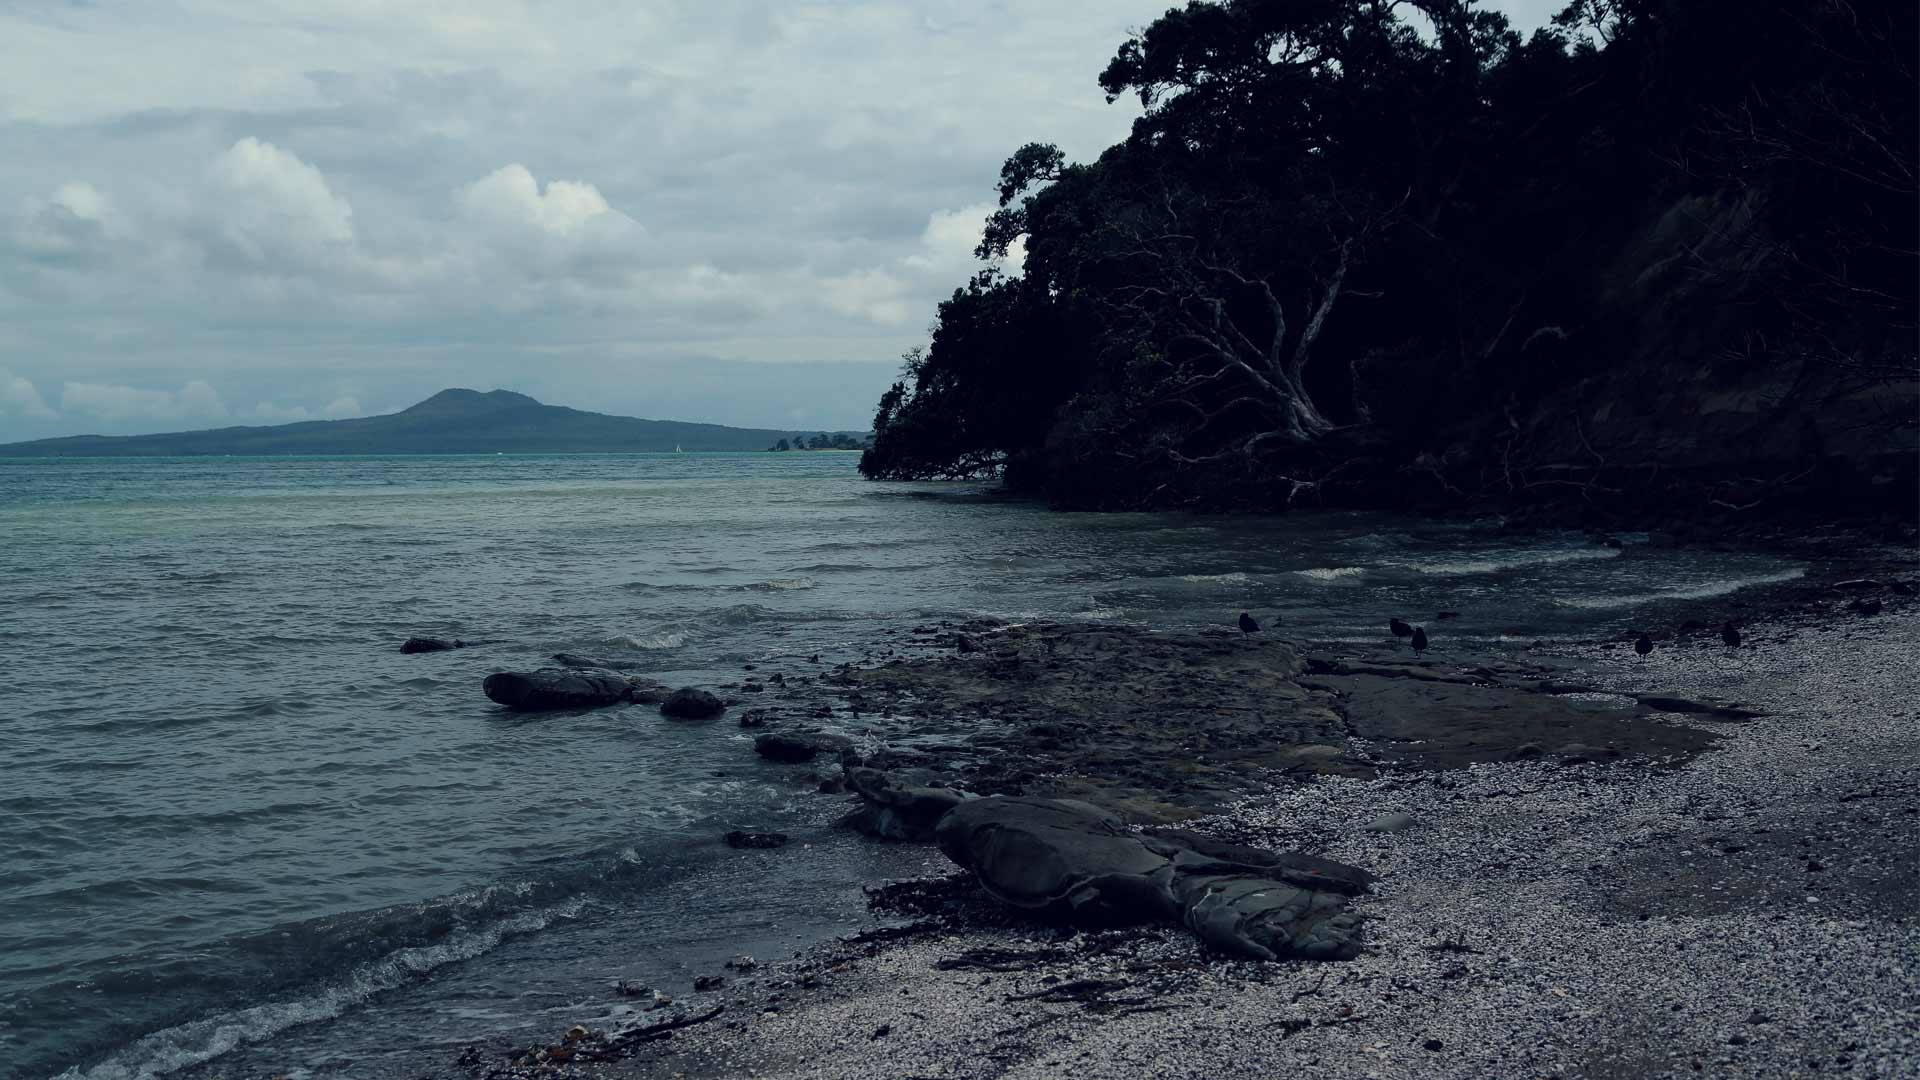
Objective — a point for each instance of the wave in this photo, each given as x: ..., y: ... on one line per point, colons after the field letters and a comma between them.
x: 192, y: 1043
x: 1235, y: 578
x: 1514, y: 561
x: 776, y: 585
x: 1703, y: 591
x: 1331, y: 573
x: 653, y: 642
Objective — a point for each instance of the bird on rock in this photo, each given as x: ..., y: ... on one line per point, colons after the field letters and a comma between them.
x: 1644, y: 645
x: 1247, y: 625
x: 1399, y: 628
x: 1419, y: 639
x: 1729, y: 635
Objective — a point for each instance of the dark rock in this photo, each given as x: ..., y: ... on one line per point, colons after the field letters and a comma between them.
x: 430, y: 644
x: 1901, y: 588
x: 692, y: 703
x: 1067, y: 857
x: 703, y: 984
x: 557, y: 688
x: 1669, y: 703
x: 798, y: 746
x: 891, y: 811
x: 966, y: 644
x: 756, y: 718
x: 1864, y: 606
x: 740, y: 839
x: 743, y: 963
x: 1399, y: 627
x: 1432, y: 1044
x: 1445, y: 615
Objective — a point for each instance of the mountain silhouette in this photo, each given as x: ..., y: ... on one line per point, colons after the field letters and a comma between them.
x: 452, y: 421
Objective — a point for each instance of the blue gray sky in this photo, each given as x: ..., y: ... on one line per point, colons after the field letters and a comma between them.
x: 223, y: 212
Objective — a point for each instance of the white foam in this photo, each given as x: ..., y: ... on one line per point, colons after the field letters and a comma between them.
x: 1216, y: 579
x: 1688, y: 592
x: 1331, y: 573
x: 1496, y: 563
x: 175, y: 1048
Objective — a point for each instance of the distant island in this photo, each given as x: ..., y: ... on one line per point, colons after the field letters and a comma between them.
x: 452, y: 421
x: 837, y: 440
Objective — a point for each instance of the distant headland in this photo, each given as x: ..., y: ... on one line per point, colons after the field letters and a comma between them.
x: 452, y: 421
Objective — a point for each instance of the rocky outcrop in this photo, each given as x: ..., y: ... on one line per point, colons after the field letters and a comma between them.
x: 893, y: 811
x: 692, y: 703
x: 561, y: 688
x: 1068, y: 858
x: 797, y: 746
x: 431, y: 644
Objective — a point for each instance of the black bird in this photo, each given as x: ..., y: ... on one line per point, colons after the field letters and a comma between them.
x: 1729, y: 635
x: 1644, y: 645
x: 1419, y: 639
x: 1247, y: 625
x: 1399, y: 628
x: 1866, y: 607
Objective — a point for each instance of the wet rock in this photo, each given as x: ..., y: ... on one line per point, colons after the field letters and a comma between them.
x: 798, y: 746
x: 756, y: 718
x: 742, y: 963
x: 1393, y: 822
x: 430, y: 644
x: 705, y: 984
x: 741, y: 839
x: 692, y: 703
x: 557, y: 688
x: 893, y: 811
x: 1067, y: 857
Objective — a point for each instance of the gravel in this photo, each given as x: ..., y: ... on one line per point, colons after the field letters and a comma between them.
x: 1752, y: 913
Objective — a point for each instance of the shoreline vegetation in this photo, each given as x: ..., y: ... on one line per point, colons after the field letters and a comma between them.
x: 1571, y: 860
x: 1653, y: 262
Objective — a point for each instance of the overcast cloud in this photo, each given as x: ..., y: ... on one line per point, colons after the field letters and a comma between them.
x: 255, y: 211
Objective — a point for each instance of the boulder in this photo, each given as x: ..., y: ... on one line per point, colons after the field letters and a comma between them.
x: 430, y: 644
x: 692, y: 703
x: 1068, y: 858
x: 741, y: 839
x: 893, y: 811
x: 558, y: 688
x: 798, y: 746
x: 1396, y: 821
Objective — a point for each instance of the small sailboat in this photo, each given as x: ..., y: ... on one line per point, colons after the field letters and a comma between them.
x: 677, y: 450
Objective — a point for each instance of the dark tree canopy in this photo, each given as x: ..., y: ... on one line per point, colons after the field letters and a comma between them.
x: 1361, y: 249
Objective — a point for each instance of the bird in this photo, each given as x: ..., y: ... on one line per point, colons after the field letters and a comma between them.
x: 1644, y: 645
x: 1247, y: 625
x: 1729, y: 635
x: 1419, y: 639
x: 1399, y: 628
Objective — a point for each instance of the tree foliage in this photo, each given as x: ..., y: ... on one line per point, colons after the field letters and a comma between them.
x: 1347, y: 229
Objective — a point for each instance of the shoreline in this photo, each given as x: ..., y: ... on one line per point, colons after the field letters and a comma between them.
x: 1761, y: 894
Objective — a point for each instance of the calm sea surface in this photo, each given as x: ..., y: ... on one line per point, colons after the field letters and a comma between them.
x: 241, y: 834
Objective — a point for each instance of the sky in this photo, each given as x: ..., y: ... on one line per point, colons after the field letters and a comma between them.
x: 219, y: 212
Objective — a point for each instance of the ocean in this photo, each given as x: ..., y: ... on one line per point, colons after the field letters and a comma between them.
x: 241, y: 834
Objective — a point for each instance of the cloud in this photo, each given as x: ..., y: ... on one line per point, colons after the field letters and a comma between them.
x: 342, y: 408
x: 71, y: 226
x: 115, y: 403
x: 566, y: 229
x: 19, y: 398
x: 278, y: 414
x: 270, y: 207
